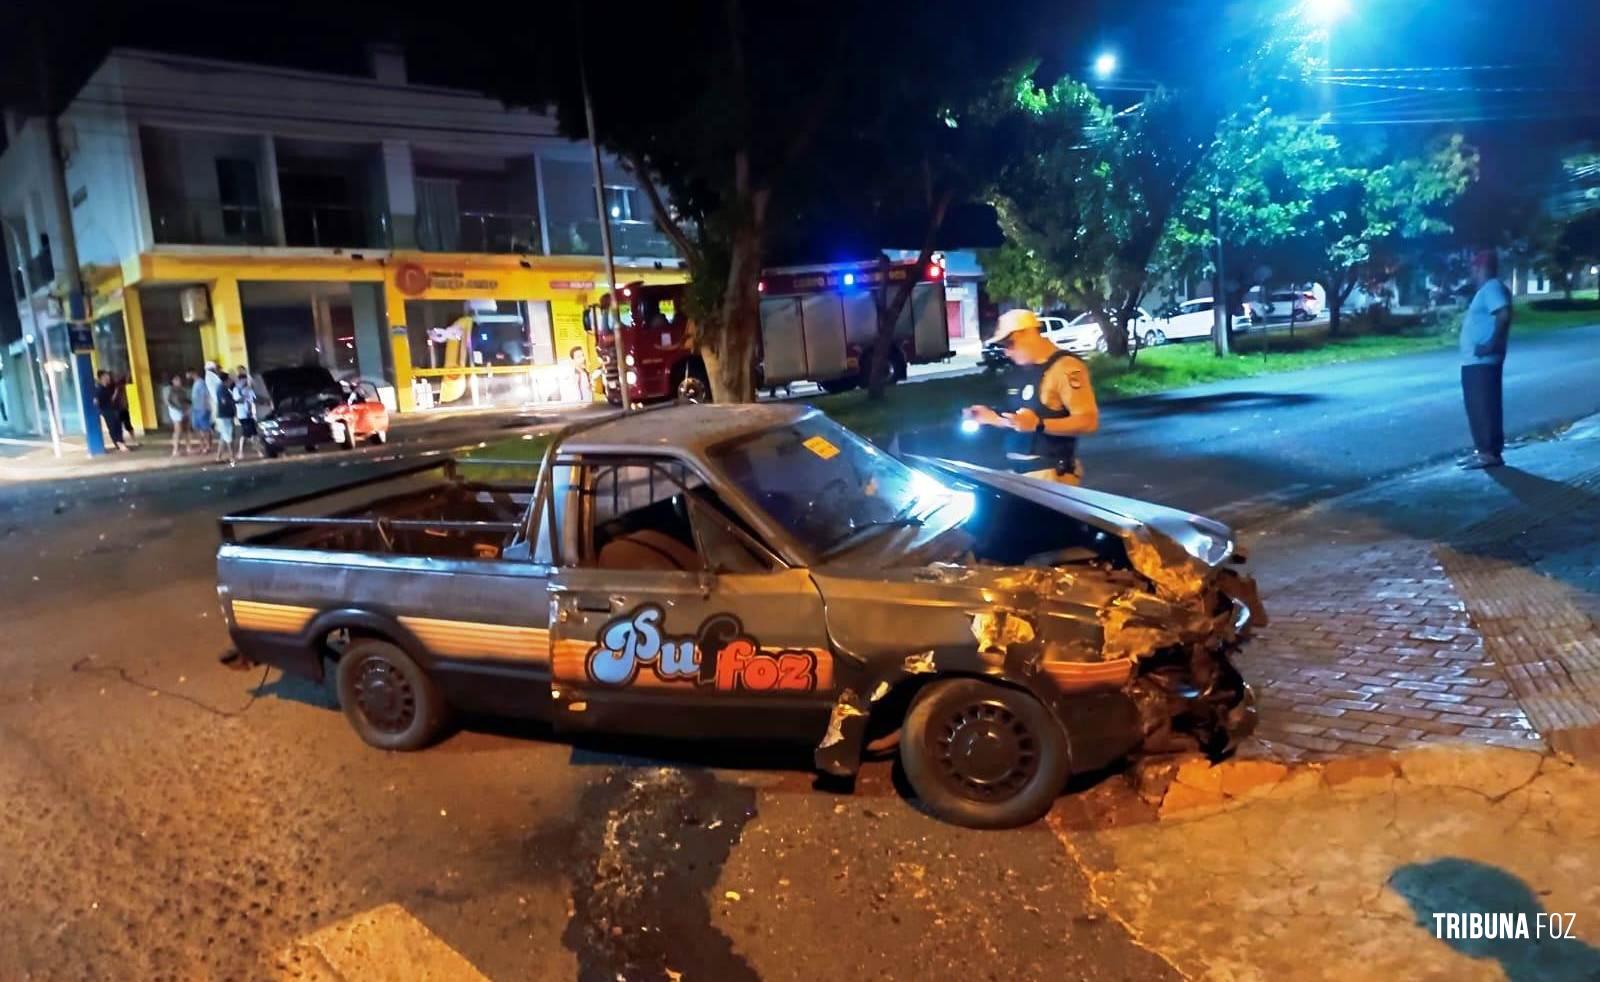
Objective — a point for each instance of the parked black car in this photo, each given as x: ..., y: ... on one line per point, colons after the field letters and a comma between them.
x: 310, y: 408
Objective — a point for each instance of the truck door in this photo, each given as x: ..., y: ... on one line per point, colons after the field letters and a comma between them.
x: 670, y: 617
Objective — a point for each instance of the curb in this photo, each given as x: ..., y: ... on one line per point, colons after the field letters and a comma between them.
x: 1194, y: 787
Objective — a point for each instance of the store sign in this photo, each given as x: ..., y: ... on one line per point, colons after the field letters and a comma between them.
x: 413, y: 280
x: 572, y: 284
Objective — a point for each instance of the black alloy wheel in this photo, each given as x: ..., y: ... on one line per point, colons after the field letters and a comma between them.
x: 982, y: 754
x: 984, y: 751
x: 387, y: 697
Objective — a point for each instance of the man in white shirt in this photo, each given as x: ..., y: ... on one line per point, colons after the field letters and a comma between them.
x: 1484, y: 332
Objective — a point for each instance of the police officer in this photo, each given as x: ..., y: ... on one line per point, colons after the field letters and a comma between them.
x: 1051, y: 402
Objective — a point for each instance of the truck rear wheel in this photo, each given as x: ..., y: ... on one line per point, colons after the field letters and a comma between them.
x: 389, y: 700
x: 983, y: 755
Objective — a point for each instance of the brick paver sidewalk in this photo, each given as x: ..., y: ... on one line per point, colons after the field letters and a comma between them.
x: 1397, y: 622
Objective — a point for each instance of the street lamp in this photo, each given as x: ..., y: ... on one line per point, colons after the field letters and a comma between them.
x: 1105, y: 65
x: 1326, y: 12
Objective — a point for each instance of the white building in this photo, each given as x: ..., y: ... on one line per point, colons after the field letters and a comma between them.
x: 264, y: 216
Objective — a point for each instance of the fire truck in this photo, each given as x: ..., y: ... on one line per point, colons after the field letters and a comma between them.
x: 818, y: 324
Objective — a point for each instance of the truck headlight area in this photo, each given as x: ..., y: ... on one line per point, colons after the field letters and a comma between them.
x: 632, y: 377
x: 628, y: 360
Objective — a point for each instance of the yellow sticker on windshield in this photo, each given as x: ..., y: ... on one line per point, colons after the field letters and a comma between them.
x: 821, y: 447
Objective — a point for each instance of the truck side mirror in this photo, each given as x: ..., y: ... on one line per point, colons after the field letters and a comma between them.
x: 588, y: 320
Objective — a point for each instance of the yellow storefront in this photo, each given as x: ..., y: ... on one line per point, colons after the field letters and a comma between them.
x: 500, y: 329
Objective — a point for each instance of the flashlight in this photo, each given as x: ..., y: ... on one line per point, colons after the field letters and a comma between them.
x: 969, y: 426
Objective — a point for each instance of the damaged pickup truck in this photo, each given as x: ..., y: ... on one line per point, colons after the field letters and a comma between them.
x: 760, y: 573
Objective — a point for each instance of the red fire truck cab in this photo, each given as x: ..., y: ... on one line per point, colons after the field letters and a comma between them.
x: 818, y: 324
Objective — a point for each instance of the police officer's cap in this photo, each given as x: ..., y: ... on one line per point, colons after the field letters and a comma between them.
x: 1013, y: 321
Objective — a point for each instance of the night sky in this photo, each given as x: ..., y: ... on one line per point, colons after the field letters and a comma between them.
x: 1534, y: 83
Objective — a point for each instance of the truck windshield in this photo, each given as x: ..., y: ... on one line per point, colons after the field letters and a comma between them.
x: 830, y: 488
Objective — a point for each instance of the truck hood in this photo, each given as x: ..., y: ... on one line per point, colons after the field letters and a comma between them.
x: 1176, y: 550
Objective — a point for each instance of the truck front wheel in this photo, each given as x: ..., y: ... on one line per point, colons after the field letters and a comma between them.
x: 691, y: 382
x: 387, y: 697
x: 982, y: 755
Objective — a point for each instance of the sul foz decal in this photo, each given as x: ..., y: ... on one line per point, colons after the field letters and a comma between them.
x: 720, y: 655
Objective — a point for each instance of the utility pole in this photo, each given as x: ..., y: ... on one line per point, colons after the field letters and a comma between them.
x: 620, y: 350
x: 1220, y: 305
x: 80, y: 336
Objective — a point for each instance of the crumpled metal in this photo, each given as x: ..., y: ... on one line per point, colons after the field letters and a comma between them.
x: 847, y: 705
x: 997, y: 630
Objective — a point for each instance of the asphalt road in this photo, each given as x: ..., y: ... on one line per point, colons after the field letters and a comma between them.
x: 1288, y: 439
x: 160, y: 816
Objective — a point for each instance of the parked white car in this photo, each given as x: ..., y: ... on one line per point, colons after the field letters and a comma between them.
x: 1298, y: 305
x: 1189, y: 319
x: 1083, y: 334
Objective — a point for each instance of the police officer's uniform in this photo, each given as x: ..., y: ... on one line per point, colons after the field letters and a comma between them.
x: 1040, y: 454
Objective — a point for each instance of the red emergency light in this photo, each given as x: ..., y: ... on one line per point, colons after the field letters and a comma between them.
x: 935, y: 271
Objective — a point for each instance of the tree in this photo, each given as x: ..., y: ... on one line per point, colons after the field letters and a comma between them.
x: 1091, y: 191
x: 1011, y: 273
x: 748, y: 127
x: 1292, y: 195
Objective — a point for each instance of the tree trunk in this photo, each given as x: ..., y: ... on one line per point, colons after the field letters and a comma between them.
x: 730, y: 352
x: 1335, y: 308
x: 1115, y: 328
x: 878, y: 366
x: 1221, y: 330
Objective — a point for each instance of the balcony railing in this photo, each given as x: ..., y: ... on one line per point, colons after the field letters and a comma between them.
x: 333, y: 226
x: 632, y: 239
x: 483, y: 231
x: 210, y: 223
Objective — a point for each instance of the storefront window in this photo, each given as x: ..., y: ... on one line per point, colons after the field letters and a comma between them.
x: 489, y: 352
x: 111, y: 346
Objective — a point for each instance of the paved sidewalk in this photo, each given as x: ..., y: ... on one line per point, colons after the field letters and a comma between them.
x: 1444, y: 606
x: 1349, y: 869
x: 20, y: 462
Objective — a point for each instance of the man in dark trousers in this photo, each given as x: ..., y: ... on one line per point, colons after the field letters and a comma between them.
x: 1051, y: 402
x: 1484, y: 331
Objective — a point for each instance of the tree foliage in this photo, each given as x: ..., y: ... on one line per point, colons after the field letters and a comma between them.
x: 1089, y: 192
x: 1292, y: 197
x: 765, y: 129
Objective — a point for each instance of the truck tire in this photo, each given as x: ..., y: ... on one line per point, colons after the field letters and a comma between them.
x: 982, y: 755
x: 389, y: 700
x: 691, y: 382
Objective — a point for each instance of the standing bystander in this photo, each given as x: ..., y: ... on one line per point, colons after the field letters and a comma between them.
x: 1484, y: 331
x: 200, y: 411
x: 244, y: 406
x: 178, y: 414
x: 105, y: 400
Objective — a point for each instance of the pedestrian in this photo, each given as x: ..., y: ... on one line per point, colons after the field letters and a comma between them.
x: 105, y: 400
x: 1052, y: 402
x: 178, y: 414
x: 200, y: 410
x: 1485, y: 329
x: 226, y: 412
x: 244, y: 402
x: 123, y: 415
